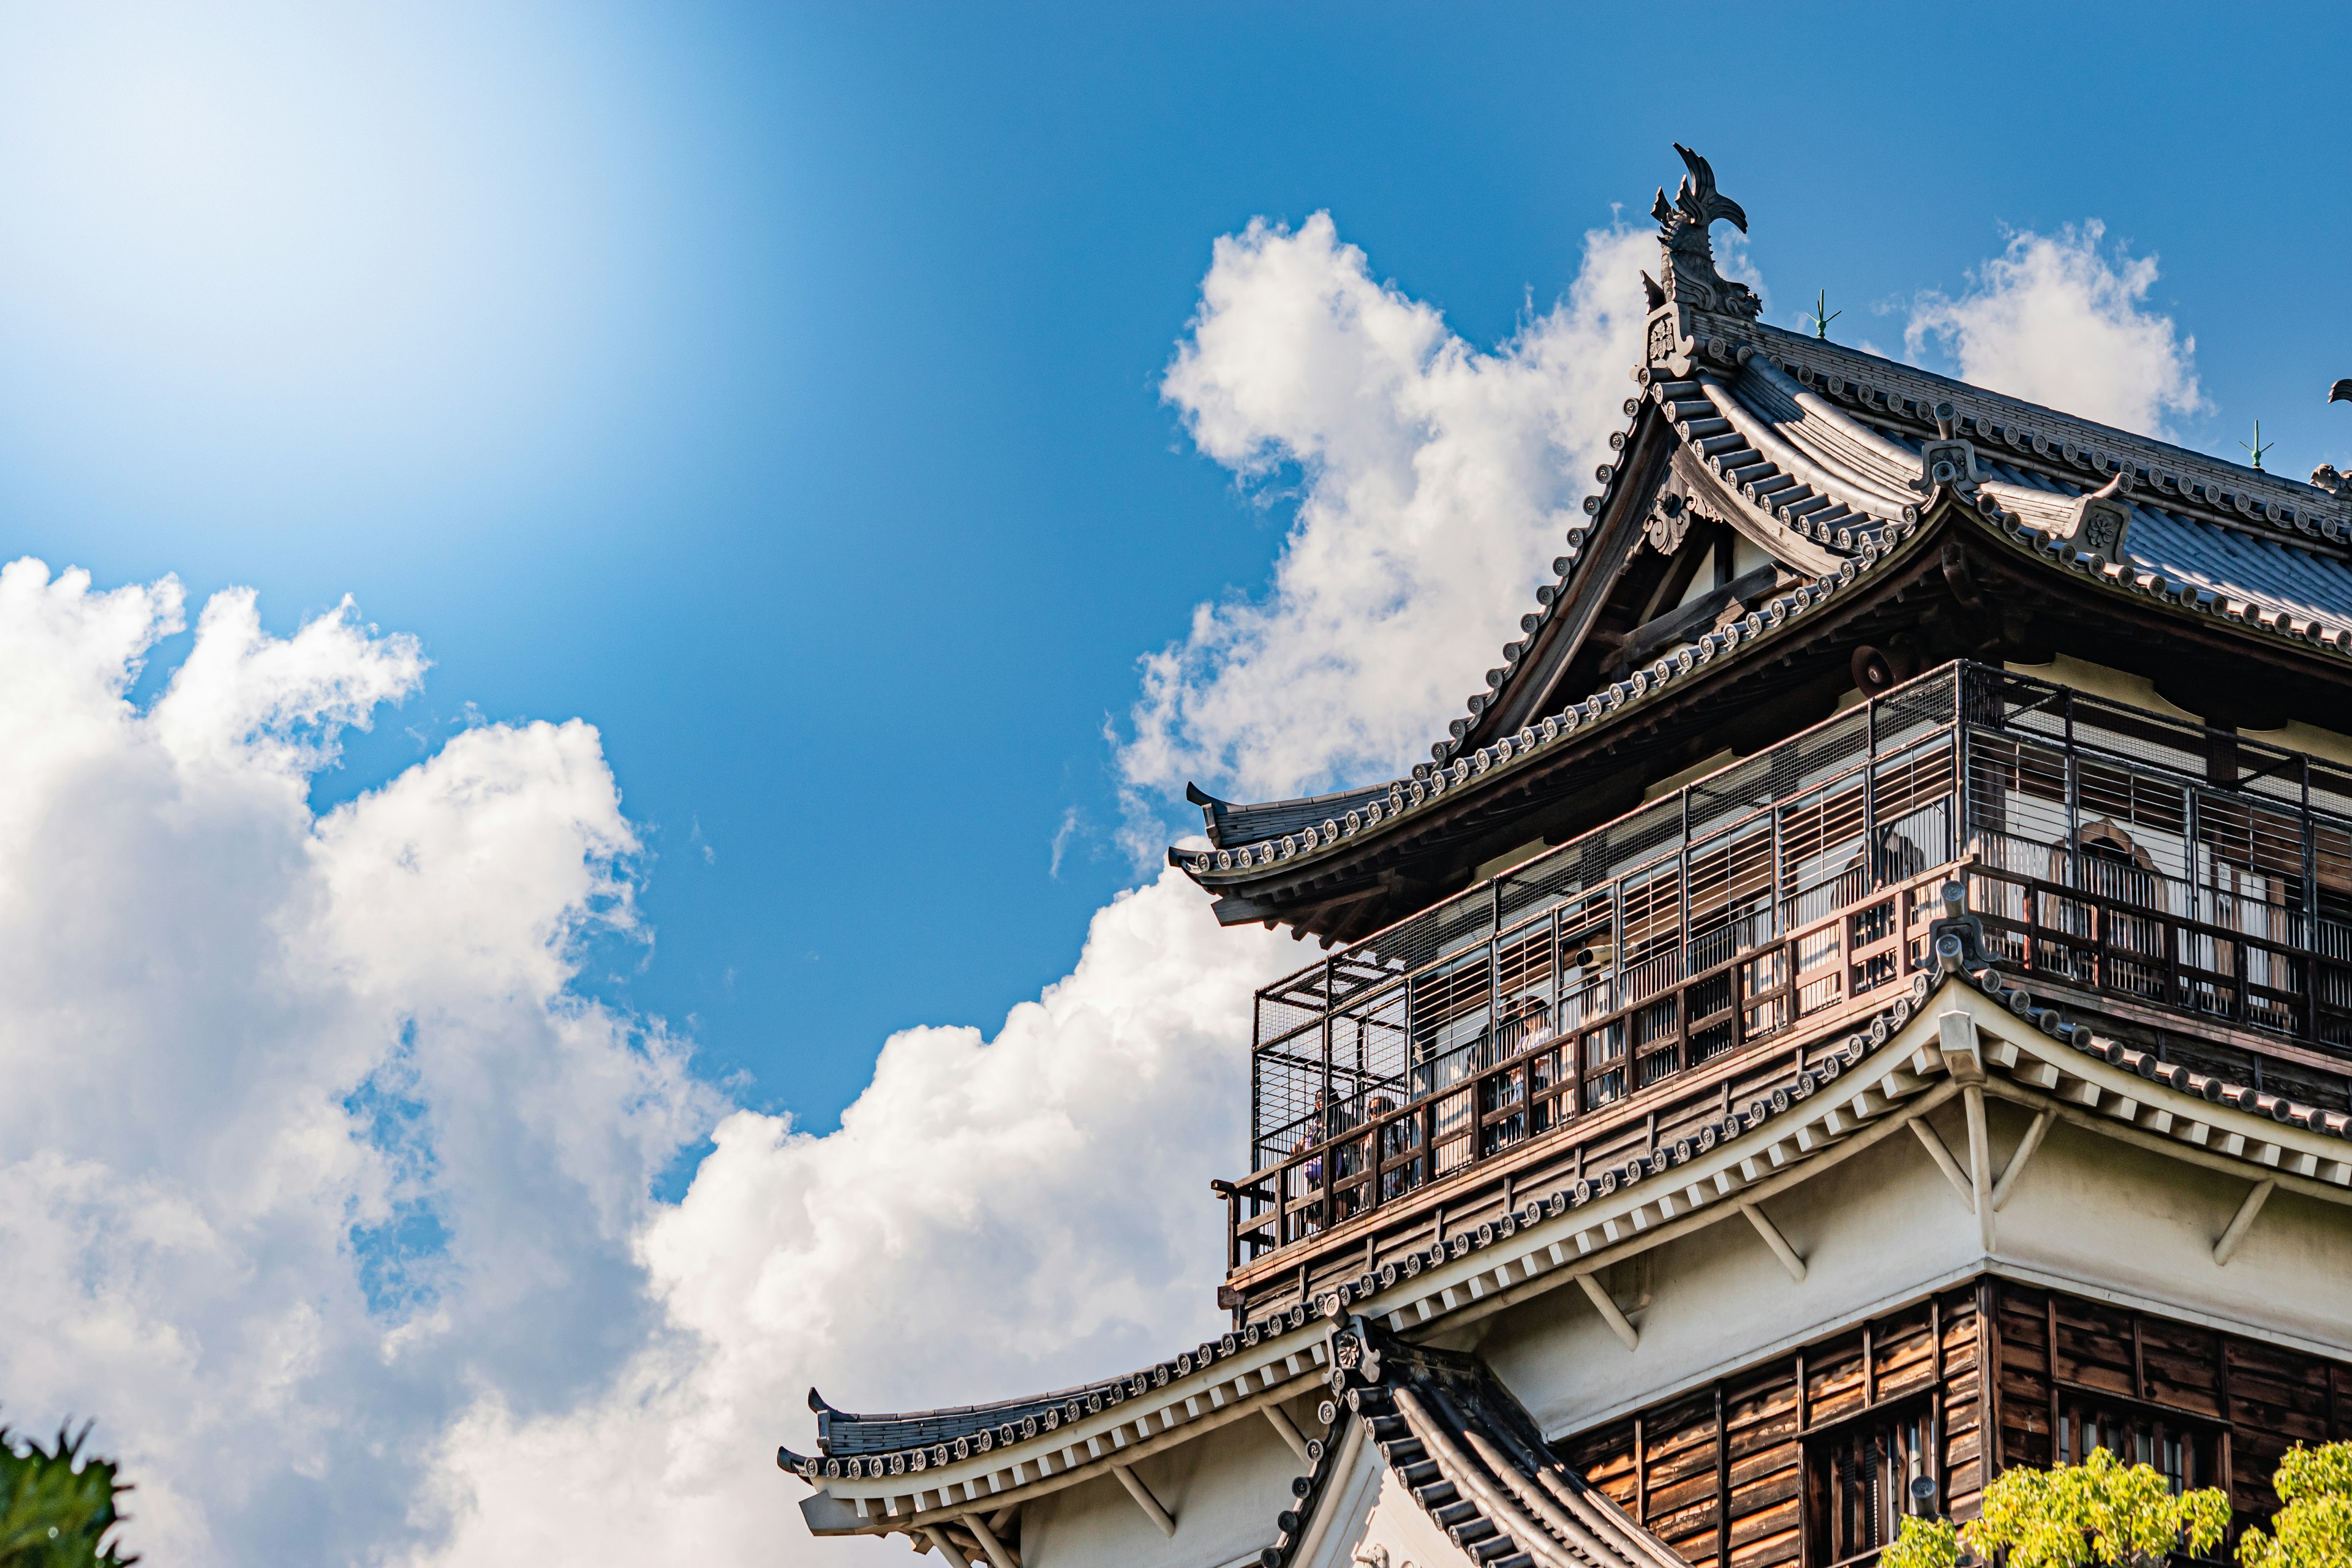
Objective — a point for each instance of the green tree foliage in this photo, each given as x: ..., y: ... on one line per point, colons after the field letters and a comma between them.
x: 1924, y: 1543
x: 2100, y: 1511
x: 56, y: 1506
x: 2117, y: 1513
x: 2315, y: 1527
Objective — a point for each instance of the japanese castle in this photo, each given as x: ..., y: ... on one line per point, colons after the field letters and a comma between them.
x: 1860, y: 1000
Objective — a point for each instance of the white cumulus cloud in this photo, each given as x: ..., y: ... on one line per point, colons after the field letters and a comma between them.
x: 1000, y: 1215
x: 330, y: 1194
x: 307, y: 1139
x: 2056, y: 319
x: 1436, y: 483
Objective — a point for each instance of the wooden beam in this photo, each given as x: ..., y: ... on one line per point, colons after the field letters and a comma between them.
x: 2004, y: 1188
x: 947, y: 1546
x: 2242, y: 1222
x: 1289, y: 1430
x: 1979, y: 1161
x: 998, y: 1553
x: 1144, y: 1499
x: 1776, y: 1241
x: 1944, y: 1161
x: 1607, y: 1307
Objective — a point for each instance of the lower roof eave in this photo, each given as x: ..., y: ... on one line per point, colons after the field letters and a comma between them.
x: 1969, y: 1026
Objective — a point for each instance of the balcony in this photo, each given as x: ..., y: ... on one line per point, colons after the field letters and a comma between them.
x: 2182, y: 875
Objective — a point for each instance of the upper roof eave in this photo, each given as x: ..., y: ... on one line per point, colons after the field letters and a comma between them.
x: 1240, y: 866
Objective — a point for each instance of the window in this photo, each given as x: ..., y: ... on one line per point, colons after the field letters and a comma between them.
x: 2183, y: 1452
x: 1860, y: 1484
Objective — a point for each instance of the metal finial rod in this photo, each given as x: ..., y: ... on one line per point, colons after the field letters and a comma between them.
x: 1822, y: 316
x: 2259, y: 448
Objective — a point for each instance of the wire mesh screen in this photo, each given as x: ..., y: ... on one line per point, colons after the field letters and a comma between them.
x: 2129, y: 851
x: 1623, y: 956
x: 2163, y: 858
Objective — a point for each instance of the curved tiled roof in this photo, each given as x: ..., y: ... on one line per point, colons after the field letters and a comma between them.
x: 1312, y: 1489
x: 1400, y: 797
x: 1479, y: 1466
x: 2023, y: 484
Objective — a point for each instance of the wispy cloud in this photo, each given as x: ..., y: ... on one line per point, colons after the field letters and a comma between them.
x: 1063, y: 833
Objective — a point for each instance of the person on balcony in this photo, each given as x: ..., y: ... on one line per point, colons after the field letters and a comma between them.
x: 1310, y: 1175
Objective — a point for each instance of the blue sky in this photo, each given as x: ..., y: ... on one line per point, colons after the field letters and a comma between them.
x: 776, y: 388
x: 780, y: 391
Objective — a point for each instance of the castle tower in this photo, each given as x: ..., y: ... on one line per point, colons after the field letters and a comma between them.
x: 1863, y: 999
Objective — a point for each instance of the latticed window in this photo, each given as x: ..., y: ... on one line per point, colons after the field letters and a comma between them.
x: 1861, y: 1485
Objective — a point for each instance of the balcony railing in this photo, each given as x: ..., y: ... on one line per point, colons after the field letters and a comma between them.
x: 2106, y: 847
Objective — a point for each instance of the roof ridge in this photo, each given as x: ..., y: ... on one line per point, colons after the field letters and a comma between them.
x: 1938, y: 381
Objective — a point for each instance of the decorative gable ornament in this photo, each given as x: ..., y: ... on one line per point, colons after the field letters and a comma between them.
x: 1948, y: 461
x: 1668, y: 524
x: 2099, y: 521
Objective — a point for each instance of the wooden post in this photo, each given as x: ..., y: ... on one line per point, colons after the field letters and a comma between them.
x: 2229, y: 1421
x: 1722, y: 1479
x: 1641, y: 1464
x: 1937, y: 1414
x: 1979, y: 1161
x: 1989, y: 1355
x: 2050, y: 1366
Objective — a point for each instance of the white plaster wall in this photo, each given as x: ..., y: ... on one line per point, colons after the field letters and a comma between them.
x: 2138, y: 691
x: 2114, y: 1218
x: 1875, y: 1226
x: 1883, y: 1226
x: 1401, y: 1528
x: 1225, y: 1490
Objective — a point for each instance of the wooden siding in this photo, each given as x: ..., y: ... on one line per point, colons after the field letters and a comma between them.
x: 2256, y: 1399
x: 1720, y: 1472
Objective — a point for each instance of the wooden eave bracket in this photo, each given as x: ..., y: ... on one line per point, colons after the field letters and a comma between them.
x: 2242, y: 1222
x: 1606, y: 1305
x: 1772, y: 1238
x: 1150, y: 1505
x: 1288, y: 1428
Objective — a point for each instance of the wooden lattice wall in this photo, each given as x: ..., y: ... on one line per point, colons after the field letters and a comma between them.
x: 1722, y: 1472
